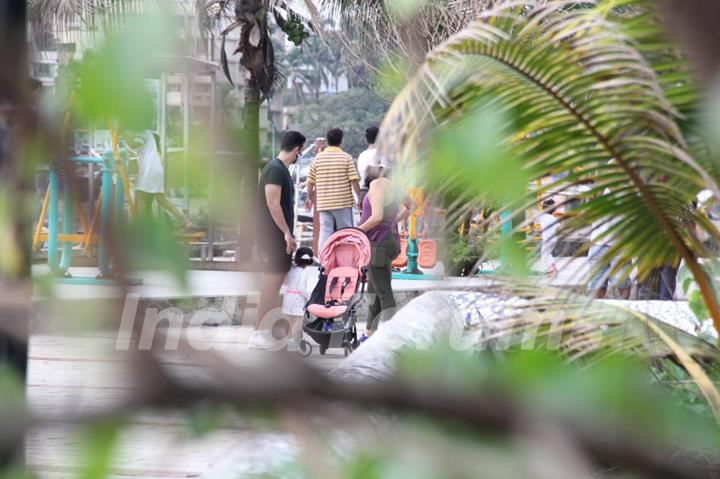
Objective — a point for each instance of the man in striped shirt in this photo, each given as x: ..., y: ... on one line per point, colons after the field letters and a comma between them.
x: 332, y: 179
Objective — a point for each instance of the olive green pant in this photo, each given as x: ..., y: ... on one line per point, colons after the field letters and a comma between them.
x: 382, y: 301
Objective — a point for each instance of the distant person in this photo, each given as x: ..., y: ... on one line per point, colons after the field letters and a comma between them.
x: 548, y: 230
x: 275, y: 221
x: 331, y: 182
x: 150, y: 186
x: 368, y: 158
x: 320, y: 145
x: 607, y: 271
x: 297, y: 288
x: 317, y: 147
x: 381, y: 213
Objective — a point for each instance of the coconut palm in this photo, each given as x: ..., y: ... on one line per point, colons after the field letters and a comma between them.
x: 255, y: 20
x: 589, y: 96
x: 392, y: 35
x: 593, y: 91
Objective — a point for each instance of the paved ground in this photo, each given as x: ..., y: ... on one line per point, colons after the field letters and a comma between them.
x: 72, y: 372
x: 209, y: 284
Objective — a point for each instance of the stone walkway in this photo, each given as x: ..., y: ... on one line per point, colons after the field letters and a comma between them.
x: 69, y: 372
x: 73, y: 374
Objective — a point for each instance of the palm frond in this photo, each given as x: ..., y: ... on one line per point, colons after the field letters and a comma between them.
x: 511, y: 315
x: 584, y: 102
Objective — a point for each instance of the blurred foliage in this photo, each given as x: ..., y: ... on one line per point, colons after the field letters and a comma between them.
x: 463, y: 253
x: 109, y: 83
x: 147, y: 244
x: 586, y: 94
x: 11, y: 254
x: 12, y: 389
x: 392, y: 76
x: 353, y: 111
x: 99, y: 442
x: 468, y: 154
x: 18, y: 472
x: 207, y: 418
x: 617, y: 396
x: 616, y: 393
x: 468, y: 157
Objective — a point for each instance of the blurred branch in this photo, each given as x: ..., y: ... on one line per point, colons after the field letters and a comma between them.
x: 294, y: 383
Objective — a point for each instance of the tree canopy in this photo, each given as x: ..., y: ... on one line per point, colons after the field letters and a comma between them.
x: 353, y: 111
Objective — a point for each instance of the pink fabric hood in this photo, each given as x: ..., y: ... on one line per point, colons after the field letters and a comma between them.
x: 347, y: 247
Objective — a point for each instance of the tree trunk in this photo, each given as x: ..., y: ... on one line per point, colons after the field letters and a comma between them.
x: 250, y: 161
x: 251, y: 130
x: 15, y: 121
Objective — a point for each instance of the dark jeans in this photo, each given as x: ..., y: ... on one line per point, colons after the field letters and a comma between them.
x: 660, y: 284
x: 382, y: 301
x: 668, y: 279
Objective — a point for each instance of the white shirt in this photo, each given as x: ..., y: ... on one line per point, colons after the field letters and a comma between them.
x: 366, y: 159
x: 549, y: 225
x: 299, y: 284
x: 151, y: 174
x: 598, y: 235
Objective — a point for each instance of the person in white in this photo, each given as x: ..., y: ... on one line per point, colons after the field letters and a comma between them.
x: 150, y: 184
x: 548, y: 229
x: 368, y: 158
x: 608, y: 273
x: 296, y: 291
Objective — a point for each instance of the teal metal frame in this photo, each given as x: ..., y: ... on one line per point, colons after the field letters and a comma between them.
x: 59, y: 267
x: 413, y: 271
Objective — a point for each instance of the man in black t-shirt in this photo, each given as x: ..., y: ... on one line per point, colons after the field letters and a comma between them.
x: 275, y: 216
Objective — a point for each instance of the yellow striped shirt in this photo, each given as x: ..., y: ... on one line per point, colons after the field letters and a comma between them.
x: 332, y: 172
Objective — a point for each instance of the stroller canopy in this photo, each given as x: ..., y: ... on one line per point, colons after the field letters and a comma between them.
x: 347, y: 247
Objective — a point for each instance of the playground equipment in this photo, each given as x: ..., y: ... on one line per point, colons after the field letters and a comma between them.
x: 109, y: 209
x: 416, y: 253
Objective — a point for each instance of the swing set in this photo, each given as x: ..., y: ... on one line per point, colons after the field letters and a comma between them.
x: 109, y: 209
x: 416, y: 252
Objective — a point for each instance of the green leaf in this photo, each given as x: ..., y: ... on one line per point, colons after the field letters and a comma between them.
x: 697, y: 305
x: 98, y: 446
x: 109, y: 83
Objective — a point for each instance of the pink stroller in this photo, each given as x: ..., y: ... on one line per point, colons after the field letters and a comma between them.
x: 330, y: 314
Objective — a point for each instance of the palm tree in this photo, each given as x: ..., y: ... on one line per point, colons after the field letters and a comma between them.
x: 384, y: 35
x: 595, y: 92
x: 254, y: 19
x: 585, y: 98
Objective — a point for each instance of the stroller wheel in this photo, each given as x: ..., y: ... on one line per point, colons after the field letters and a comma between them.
x: 304, y: 348
x: 323, y: 350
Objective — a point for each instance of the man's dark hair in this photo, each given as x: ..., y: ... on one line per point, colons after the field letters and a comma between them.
x: 335, y: 137
x: 371, y: 134
x: 292, y: 139
x: 307, y: 253
x: 549, y: 205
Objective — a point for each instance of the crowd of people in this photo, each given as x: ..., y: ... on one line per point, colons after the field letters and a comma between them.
x: 337, y: 186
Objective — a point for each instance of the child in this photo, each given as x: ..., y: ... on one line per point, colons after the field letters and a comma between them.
x: 296, y: 292
x: 549, y: 226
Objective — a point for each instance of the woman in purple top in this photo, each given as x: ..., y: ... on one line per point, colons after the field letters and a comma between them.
x: 381, y: 212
